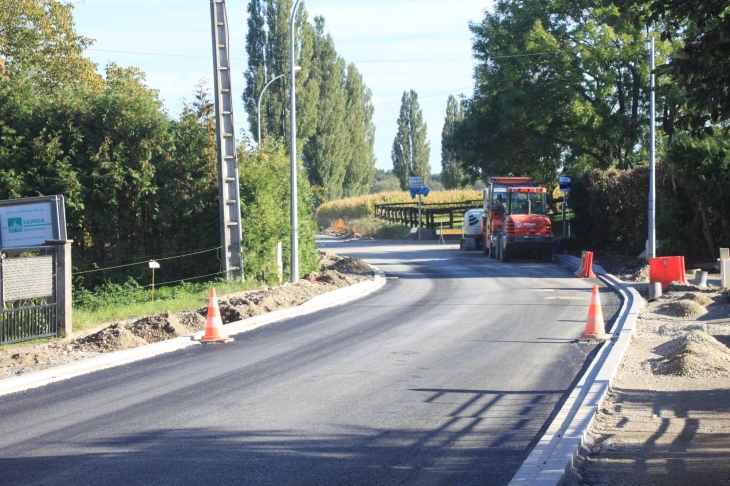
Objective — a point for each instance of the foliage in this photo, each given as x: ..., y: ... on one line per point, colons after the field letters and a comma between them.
x: 452, y: 173
x: 410, y: 148
x: 265, y: 197
x: 701, y: 62
x: 334, y: 108
x: 38, y: 36
x: 560, y: 86
x: 611, y: 211
x: 358, y: 124
x: 703, y: 168
x: 268, y: 49
x: 384, y: 181
x: 327, y: 151
x: 363, y: 206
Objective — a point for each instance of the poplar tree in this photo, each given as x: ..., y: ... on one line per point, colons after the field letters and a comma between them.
x: 327, y: 153
x: 410, y: 148
x: 452, y: 173
x: 267, y: 46
x: 360, y: 169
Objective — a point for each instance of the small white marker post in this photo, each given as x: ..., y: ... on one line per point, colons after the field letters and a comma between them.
x: 153, y: 265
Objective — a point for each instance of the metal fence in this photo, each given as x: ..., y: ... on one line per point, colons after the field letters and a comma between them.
x: 28, y: 297
x: 407, y: 213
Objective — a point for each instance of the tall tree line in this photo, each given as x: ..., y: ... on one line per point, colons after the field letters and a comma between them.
x: 334, y: 106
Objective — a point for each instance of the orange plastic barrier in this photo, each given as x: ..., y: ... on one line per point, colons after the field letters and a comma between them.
x: 595, y: 327
x: 586, y: 266
x: 214, y: 326
x: 667, y: 270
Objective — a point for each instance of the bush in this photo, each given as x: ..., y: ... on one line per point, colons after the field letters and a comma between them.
x: 265, y: 199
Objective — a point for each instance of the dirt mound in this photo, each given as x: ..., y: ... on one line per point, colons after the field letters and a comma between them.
x: 700, y: 299
x: 158, y: 327
x: 352, y: 266
x: 113, y: 338
x: 192, y: 321
x: 686, y: 309
x: 696, y: 355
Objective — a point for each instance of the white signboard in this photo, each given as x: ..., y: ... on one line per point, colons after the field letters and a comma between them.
x: 26, y: 225
x: 416, y: 181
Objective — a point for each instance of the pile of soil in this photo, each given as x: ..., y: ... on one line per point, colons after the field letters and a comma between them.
x: 335, y: 272
x: 696, y: 355
x: 686, y: 309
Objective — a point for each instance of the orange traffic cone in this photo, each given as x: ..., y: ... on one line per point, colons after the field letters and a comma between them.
x: 595, y: 328
x: 214, y: 326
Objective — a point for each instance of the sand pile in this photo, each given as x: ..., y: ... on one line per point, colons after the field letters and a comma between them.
x: 696, y: 355
x: 684, y: 308
x: 700, y: 299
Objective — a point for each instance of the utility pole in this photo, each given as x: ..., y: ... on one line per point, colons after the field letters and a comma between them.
x: 228, y: 188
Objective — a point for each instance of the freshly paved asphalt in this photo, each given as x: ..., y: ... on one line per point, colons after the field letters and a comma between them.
x: 447, y: 375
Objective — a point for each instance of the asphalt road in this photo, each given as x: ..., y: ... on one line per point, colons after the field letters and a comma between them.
x: 447, y: 375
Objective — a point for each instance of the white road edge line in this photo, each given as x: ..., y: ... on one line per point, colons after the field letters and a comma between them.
x: 553, y: 456
x: 64, y: 372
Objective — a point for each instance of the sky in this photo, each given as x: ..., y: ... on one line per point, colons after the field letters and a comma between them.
x: 396, y: 45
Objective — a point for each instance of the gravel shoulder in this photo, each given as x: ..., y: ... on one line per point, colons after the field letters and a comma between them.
x: 335, y: 272
x: 666, y: 418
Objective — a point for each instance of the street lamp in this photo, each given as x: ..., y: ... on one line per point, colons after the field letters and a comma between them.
x: 651, y: 247
x: 293, y: 117
x: 258, y: 108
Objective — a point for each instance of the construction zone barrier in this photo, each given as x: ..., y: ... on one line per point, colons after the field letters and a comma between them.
x: 586, y: 266
x: 666, y: 270
x: 595, y: 327
x: 214, y: 326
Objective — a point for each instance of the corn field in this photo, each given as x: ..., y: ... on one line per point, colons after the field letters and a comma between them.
x: 362, y: 206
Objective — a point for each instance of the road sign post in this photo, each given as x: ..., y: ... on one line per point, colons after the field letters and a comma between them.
x: 564, y: 182
x: 413, y: 182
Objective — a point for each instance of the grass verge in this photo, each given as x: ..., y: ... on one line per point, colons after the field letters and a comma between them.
x: 112, y: 302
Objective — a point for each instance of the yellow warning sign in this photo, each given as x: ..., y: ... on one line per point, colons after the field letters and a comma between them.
x: 340, y: 226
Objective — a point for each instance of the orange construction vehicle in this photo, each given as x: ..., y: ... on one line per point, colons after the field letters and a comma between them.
x: 515, y: 219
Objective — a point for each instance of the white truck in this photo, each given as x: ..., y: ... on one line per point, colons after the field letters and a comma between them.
x: 471, y: 231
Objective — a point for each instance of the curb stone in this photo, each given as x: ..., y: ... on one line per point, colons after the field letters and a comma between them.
x: 104, y: 361
x: 553, y: 456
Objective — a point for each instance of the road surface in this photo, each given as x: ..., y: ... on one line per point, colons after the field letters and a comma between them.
x: 447, y: 375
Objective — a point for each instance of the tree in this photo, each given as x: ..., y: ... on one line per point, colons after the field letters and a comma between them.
x: 410, y: 148
x: 328, y: 151
x: 700, y: 60
x: 39, y: 36
x: 452, y: 174
x: 560, y: 86
x: 358, y: 121
x: 267, y: 46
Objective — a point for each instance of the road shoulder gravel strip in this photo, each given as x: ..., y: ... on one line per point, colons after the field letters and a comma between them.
x: 553, y: 456
x: 330, y: 299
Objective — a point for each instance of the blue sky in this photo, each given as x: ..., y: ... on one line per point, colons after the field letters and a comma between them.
x: 396, y: 45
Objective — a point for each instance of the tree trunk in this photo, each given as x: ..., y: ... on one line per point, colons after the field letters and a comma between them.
x: 706, y: 231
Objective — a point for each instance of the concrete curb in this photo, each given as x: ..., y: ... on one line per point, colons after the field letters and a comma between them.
x: 552, y: 458
x: 51, y: 375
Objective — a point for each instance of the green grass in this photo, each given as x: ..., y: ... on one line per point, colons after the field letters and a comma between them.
x: 113, y: 302
x: 379, y: 229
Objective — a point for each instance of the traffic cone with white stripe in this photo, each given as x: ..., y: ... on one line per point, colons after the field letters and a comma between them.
x: 595, y: 328
x: 214, y: 326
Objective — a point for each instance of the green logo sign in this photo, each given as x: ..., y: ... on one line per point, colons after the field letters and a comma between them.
x: 15, y: 225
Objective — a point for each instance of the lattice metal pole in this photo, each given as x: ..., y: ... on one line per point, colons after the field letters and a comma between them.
x: 228, y: 188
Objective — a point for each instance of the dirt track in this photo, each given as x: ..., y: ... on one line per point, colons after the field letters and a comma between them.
x: 335, y: 272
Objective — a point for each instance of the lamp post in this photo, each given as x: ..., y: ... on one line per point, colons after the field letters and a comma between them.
x: 651, y: 247
x: 293, y: 117
x: 258, y: 107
